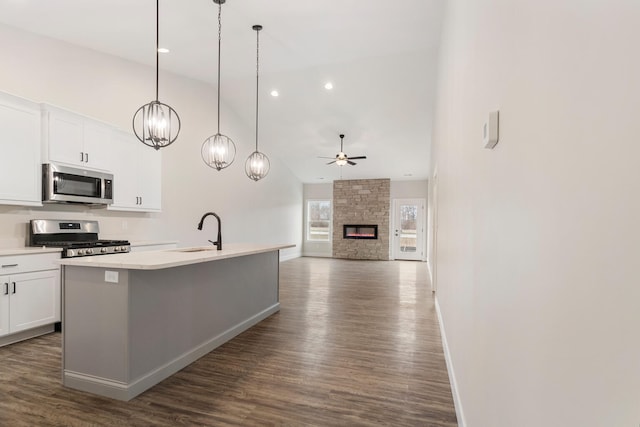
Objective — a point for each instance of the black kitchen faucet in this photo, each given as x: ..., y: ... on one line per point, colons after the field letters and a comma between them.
x: 218, y: 242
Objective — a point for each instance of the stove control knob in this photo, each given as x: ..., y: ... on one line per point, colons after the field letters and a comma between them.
x: 80, y: 251
x: 103, y: 250
x: 89, y: 251
x: 116, y: 249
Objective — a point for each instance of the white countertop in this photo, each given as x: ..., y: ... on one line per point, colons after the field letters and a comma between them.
x: 28, y: 251
x: 156, y: 260
x: 152, y: 242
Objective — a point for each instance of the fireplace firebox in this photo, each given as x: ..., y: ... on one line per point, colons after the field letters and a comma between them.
x: 360, y: 231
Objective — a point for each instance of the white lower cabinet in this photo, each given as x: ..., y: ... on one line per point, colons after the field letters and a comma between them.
x: 32, y: 299
x: 136, y: 175
x: 28, y: 299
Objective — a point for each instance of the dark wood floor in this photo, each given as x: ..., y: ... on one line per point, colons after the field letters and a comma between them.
x: 355, y: 343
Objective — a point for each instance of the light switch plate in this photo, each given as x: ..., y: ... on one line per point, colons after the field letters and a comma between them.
x: 111, y: 276
x: 491, y: 130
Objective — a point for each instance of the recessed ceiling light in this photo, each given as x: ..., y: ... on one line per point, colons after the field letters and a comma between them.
x: 163, y: 50
x: 328, y: 85
x: 274, y: 93
x: 408, y: 174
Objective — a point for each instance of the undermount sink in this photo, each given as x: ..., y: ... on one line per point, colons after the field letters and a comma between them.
x: 213, y: 248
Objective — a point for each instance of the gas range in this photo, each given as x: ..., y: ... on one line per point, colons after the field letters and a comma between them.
x: 76, y: 238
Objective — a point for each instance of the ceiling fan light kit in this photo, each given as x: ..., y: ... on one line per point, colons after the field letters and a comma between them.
x: 218, y: 151
x: 155, y: 124
x: 341, y: 158
x: 257, y: 165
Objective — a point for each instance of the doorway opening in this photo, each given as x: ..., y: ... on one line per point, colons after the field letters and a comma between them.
x: 408, y: 229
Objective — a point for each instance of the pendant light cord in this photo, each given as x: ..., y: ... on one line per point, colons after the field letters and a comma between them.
x: 219, y: 45
x: 157, y: 45
x: 257, y: 80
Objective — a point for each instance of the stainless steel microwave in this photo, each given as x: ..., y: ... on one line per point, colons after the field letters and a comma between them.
x: 64, y: 184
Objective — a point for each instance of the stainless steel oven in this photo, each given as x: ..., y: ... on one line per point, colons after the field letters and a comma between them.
x: 76, y: 238
x: 64, y: 184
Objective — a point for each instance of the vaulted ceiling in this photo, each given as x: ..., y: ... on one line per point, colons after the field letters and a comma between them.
x: 380, y: 57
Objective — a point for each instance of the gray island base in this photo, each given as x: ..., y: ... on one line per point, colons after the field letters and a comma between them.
x: 126, y: 329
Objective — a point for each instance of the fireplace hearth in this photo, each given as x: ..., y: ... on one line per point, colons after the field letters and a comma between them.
x: 360, y: 231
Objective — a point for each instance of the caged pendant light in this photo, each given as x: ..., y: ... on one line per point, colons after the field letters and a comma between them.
x: 218, y: 151
x: 257, y: 165
x: 156, y: 124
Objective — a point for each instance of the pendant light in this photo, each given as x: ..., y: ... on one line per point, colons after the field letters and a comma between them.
x: 156, y: 124
x: 218, y: 151
x: 257, y: 165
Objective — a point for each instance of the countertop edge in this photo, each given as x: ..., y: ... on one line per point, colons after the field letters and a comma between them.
x: 169, y: 258
x: 28, y: 251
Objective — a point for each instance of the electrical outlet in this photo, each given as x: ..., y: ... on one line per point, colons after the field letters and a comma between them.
x: 111, y: 276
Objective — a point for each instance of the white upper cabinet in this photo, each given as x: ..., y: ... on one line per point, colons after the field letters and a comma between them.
x: 20, y: 170
x: 136, y: 175
x: 75, y: 140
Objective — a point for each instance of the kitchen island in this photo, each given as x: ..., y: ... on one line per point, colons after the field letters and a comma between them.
x: 132, y: 320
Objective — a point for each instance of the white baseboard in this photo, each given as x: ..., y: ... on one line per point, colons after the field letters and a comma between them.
x: 452, y: 376
x: 25, y: 335
x: 318, y: 255
x: 287, y: 257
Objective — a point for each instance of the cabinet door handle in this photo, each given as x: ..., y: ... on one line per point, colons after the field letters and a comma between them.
x: 9, y: 265
x: 81, y: 156
x: 86, y: 155
x: 6, y: 289
x: 14, y: 287
x: 140, y: 199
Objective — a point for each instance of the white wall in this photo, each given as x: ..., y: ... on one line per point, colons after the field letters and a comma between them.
x: 538, y: 239
x: 417, y: 189
x: 111, y: 89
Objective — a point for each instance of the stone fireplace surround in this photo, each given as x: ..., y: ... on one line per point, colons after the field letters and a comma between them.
x: 361, y: 201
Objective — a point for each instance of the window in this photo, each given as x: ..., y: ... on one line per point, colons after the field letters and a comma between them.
x: 319, y: 220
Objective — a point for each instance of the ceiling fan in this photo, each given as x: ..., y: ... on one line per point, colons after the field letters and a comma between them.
x: 341, y: 158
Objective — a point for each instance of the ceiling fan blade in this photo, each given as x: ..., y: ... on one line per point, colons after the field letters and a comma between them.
x: 321, y: 157
x: 330, y: 163
x: 351, y: 163
x: 358, y: 157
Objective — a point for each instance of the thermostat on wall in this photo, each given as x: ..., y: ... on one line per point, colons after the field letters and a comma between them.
x: 490, y: 131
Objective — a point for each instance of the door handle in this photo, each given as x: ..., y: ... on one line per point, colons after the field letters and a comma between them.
x: 6, y: 289
x: 14, y: 287
x: 9, y: 265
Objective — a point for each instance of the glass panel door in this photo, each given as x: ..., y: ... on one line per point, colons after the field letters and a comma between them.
x: 409, y: 230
